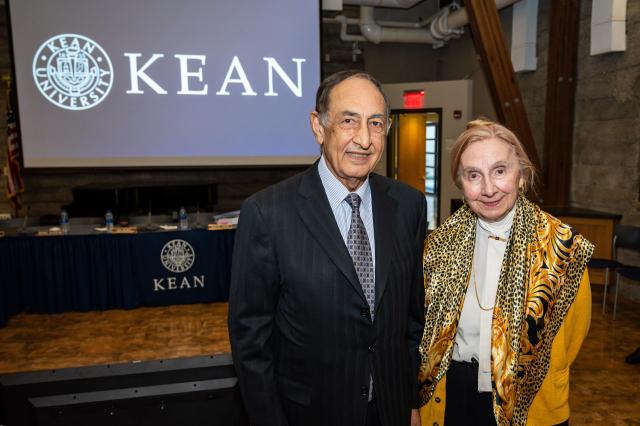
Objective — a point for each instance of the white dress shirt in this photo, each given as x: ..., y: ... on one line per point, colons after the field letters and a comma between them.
x: 336, y: 193
x: 473, y: 338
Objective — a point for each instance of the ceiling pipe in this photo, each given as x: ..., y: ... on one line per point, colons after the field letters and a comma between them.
x: 375, y: 33
x: 436, y: 30
x: 344, y: 21
x: 400, y: 24
x: 340, y: 19
x: 459, y: 18
x: 404, y: 4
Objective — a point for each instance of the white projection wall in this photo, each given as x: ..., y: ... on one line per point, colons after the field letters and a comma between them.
x: 122, y: 83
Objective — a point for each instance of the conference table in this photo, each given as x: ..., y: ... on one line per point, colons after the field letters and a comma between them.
x: 87, y: 270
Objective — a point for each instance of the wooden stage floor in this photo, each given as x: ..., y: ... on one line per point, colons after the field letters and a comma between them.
x: 33, y: 342
x: 604, y: 389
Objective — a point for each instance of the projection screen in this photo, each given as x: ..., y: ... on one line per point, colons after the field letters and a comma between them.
x: 124, y: 83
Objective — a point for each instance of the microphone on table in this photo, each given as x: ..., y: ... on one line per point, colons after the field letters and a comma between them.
x: 24, y: 229
x: 150, y: 226
x: 198, y: 224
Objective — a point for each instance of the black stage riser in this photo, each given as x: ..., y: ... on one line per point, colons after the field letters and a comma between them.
x: 192, y: 391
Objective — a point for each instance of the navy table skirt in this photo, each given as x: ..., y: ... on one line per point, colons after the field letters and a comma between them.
x: 97, y: 272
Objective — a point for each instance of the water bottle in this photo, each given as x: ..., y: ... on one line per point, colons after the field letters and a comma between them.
x: 184, y: 220
x: 64, y: 221
x: 108, y: 221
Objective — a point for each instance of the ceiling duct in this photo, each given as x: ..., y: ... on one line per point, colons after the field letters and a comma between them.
x: 403, y: 4
x: 436, y: 30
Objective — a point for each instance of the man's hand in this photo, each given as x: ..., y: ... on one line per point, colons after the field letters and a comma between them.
x: 415, y: 417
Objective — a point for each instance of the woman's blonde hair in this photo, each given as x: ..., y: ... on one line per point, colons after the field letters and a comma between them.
x: 483, y: 129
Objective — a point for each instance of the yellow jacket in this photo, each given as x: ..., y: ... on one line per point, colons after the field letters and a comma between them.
x: 551, y: 404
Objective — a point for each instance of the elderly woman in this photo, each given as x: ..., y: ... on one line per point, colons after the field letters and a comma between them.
x: 507, y: 300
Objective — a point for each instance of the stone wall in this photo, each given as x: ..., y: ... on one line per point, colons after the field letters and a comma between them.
x: 606, y: 153
x: 533, y: 83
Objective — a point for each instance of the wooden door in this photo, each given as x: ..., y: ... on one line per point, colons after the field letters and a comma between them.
x: 411, y: 149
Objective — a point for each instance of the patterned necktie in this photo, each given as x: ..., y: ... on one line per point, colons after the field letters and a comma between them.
x: 360, y: 251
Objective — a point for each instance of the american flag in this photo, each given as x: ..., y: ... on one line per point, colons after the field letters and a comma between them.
x: 15, y: 184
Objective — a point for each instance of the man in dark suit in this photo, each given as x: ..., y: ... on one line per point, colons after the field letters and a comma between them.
x: 326, y: 308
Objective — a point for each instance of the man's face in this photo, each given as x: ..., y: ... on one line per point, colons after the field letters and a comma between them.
x: 354, y: 138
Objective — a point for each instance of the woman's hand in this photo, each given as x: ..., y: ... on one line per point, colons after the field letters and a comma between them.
x: 415, y: 417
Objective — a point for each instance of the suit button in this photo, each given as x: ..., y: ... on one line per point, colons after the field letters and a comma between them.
x: 435, y: 424
x: 438, y: 399
x: 372, y: 348
x: 364, y: 312
x: 364, y: 390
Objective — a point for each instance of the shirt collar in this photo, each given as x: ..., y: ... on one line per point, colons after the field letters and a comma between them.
x: 336, y: 191
x: 500, y: 228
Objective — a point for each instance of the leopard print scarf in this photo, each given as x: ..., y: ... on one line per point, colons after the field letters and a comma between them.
x: 539, y: 278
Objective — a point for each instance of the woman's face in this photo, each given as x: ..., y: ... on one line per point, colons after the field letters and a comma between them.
x: 490, y: 177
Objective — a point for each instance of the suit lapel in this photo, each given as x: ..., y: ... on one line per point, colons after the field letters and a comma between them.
x: 315, y: 212
x: 384, y: 213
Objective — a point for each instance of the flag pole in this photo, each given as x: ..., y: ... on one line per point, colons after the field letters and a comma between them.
x: 15, y: 184
x: 6, y: 79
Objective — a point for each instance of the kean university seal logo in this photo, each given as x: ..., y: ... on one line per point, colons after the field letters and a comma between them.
x: 72, y: 71
x: 177, y: 256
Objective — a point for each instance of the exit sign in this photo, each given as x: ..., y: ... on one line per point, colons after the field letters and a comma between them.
x: 413, y: 99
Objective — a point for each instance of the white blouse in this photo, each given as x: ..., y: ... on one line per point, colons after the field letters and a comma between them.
x: 473, y: 338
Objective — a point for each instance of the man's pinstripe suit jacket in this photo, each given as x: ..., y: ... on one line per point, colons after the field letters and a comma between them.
x: 302, y: 339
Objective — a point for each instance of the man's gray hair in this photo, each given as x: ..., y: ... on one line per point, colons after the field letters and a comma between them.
x: 329, y: 83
